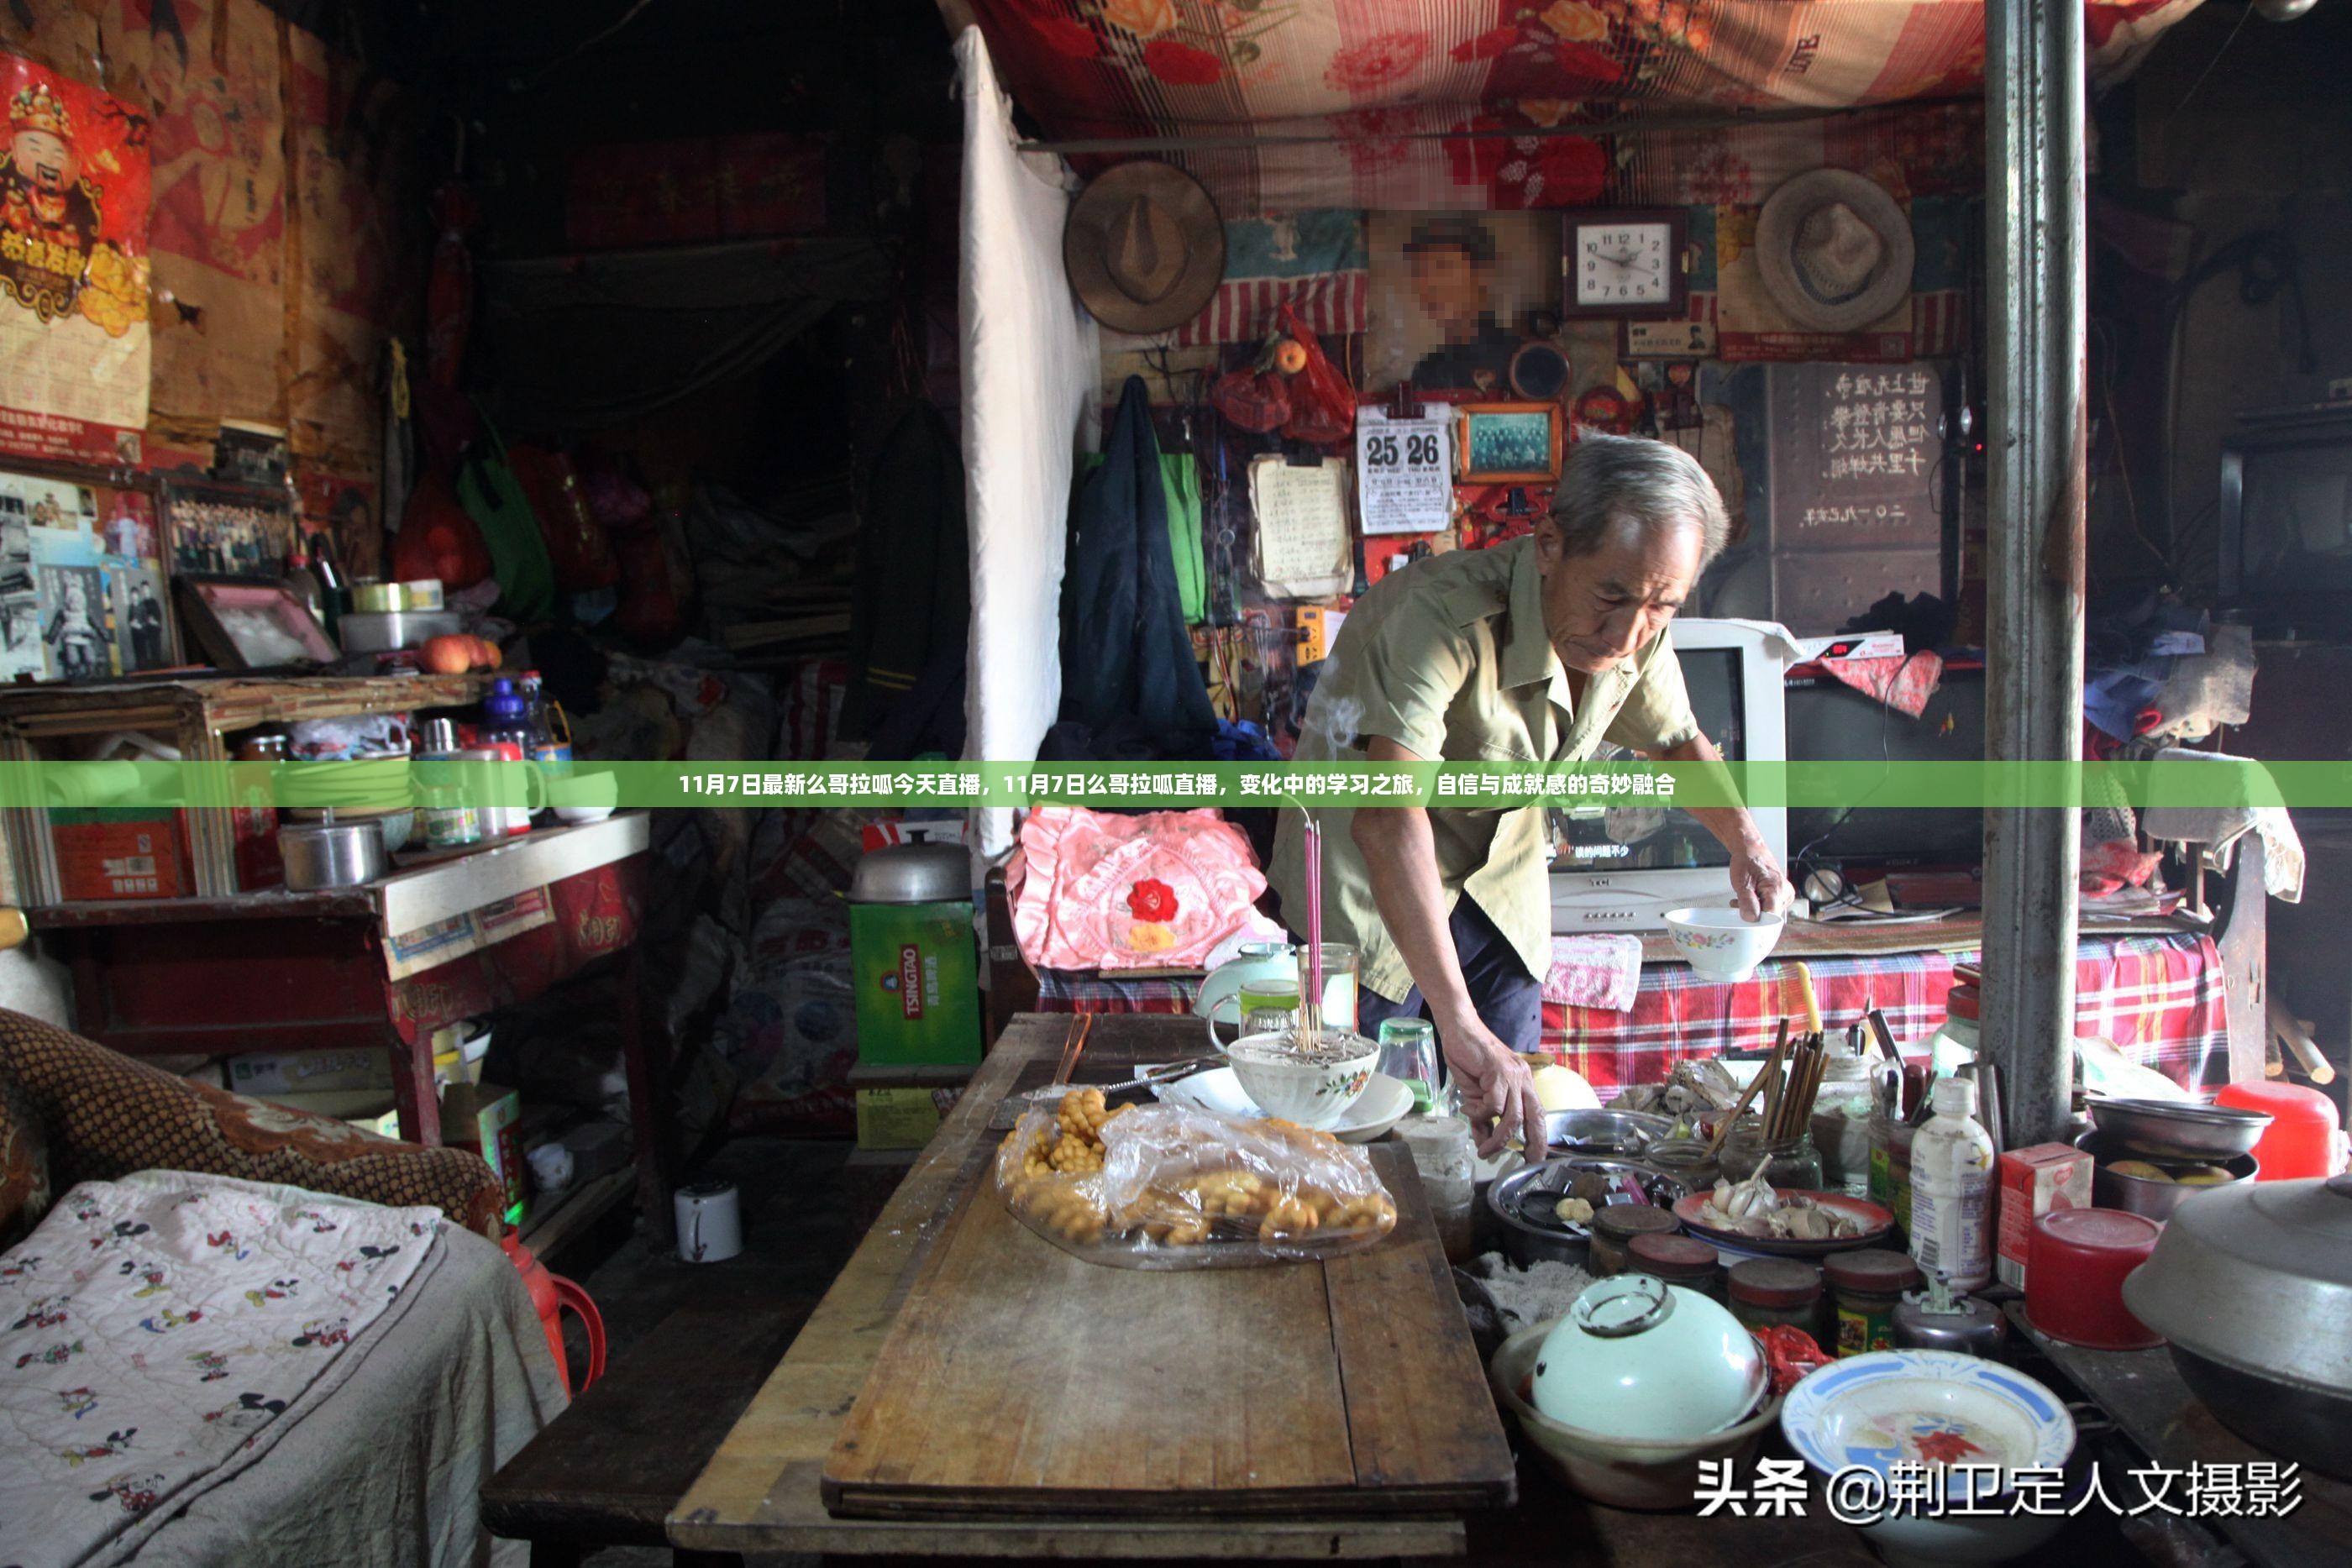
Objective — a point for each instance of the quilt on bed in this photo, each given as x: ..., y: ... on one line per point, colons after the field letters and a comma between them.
x: 154, y: 1332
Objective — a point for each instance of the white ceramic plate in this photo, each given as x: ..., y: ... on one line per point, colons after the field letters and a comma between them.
x: 1925, y: 1407
x: 1381, y: 1105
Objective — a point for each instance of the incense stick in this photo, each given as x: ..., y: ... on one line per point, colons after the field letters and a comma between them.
x: 1779, y: 1044
x: 1311, y: 992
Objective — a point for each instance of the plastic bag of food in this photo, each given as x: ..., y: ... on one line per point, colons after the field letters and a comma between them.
x: 1169, y: 1187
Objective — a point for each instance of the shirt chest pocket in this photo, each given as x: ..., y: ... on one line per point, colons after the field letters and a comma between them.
x: 1489, y: 727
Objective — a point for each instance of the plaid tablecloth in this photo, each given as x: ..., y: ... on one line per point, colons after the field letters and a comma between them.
x: 2158, y: 998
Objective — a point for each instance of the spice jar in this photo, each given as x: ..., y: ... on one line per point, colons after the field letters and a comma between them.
x: 1773, y: 1293
x: 1614, y: 1230
x: 1682, y: 1260
x: 1786, y: 1162
x: 1868, y: 1285
x: 1685, y: 1159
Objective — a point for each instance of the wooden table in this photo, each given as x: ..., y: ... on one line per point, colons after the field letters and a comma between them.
x: 2143, y: 1393
x: 761, y: 1492
x: 281, y: 971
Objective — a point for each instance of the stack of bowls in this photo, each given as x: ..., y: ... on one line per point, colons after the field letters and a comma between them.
x: 373, y: 787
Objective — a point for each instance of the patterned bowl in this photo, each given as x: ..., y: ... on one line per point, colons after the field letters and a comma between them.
x: 1722, y: 944
x: 1312, y: 1090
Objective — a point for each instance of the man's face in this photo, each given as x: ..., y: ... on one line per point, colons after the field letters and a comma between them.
x: 1602, y: 607
x: 1450, y: 288
x: 43, y: 158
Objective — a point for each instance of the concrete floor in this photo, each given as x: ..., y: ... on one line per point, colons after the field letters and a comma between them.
x: 795, y: 1239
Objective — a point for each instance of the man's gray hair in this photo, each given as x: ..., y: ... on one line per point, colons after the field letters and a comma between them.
x: 1612, y: 479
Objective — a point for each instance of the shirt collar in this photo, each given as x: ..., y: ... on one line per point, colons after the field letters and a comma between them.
x: 1527, y: 658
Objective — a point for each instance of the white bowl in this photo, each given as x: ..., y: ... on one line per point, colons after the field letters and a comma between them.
x: 1380, y: 1107
x: 1874, y: 1411
x: 1310, y: 1092
x: 1721, y: 944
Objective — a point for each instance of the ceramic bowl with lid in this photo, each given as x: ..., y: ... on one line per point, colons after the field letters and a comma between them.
x: 1638, y: 1358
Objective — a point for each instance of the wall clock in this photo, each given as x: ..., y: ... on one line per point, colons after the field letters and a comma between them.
x: 1624, y: 262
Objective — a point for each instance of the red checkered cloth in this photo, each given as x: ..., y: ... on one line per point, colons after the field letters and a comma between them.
x: 2158, y: 998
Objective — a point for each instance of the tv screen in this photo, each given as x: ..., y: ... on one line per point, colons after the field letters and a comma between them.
x: 1829, y: 722
x: 1653, y: 837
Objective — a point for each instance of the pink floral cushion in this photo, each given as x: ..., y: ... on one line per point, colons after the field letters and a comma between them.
x: 1092, y: 891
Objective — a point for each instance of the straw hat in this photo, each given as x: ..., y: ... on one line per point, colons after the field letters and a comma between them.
x: 1835, y: 250
x: 1144, y: 247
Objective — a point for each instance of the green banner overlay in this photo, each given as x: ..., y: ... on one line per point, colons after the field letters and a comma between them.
x: 380, y: 784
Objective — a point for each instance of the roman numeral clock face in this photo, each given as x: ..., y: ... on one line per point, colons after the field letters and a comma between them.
x: 1624, y: 264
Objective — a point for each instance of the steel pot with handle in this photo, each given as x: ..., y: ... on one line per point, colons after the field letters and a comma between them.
x: 2252, y: 1285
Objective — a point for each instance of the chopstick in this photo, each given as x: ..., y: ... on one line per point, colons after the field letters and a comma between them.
x: 1771, y: 1064
x: 1071, y: 1046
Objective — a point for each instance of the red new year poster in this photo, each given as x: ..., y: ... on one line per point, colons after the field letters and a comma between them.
x: 73, y: 269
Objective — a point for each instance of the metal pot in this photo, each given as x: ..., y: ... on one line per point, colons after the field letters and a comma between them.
x: 2155, y: 1200
x: 2178, y: 1129
x: 1627, y: 1135
x: 1526, y: 1240
x: 2252, y: 1284
x: 332, y: 853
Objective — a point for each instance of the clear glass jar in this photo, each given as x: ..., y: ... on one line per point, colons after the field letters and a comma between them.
x: 1787, y: 1161
x: 1685, y: 1159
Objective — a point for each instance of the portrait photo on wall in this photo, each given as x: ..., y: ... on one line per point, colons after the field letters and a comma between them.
x: 219, y: 530
x: 1456, y: 295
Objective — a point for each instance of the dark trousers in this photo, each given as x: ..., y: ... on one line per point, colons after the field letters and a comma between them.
x: 1509, y: 1000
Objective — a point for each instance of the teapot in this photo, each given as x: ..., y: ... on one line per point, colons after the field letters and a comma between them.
x: 1274, y: 965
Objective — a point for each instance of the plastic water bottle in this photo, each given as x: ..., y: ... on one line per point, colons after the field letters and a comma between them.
x: 1951, y: 1189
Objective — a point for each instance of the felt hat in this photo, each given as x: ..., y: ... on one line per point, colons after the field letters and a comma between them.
x: 1835, y: 250
x: 1144, y: 247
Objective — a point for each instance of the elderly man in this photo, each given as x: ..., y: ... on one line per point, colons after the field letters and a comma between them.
x: 1537, y: 651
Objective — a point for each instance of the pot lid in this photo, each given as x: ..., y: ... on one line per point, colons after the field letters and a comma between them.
x: 2257, y: 1275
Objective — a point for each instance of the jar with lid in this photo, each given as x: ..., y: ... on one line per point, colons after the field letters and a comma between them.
x: 1868, y: 1284
x: 1786, y: 1162
x: 1957, y: 1043
x: 1614, y: 1230
x: 1682, y: 1260
x: 1770, y: 1293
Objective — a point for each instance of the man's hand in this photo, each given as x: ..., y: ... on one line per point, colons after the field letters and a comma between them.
x: 1494, y: 1081
x: 1758, y: 885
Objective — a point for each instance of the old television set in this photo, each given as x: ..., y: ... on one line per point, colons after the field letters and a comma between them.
x: 1621, y: 867
x: 1831, y: 722
x: 2286, y: 522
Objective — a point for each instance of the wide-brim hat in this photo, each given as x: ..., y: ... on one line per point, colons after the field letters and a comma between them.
x: 1144, y: 247
x: 1834, y: 249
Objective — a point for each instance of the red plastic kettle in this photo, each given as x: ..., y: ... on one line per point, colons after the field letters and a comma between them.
x: 549, y: 1295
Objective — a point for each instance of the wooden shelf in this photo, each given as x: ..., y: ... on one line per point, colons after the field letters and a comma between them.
x: 410, y: 899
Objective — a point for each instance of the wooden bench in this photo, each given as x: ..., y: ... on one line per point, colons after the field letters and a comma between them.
x: 608, y: 1470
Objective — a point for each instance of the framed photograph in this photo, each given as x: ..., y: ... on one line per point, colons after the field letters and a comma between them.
x: 1452, y: 298
x: 217, y: 531
x: 241, y: 625
x: 1507, y: 442
x: 1626, y: 262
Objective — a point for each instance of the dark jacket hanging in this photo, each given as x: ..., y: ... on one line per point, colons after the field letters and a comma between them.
x: 1128, y: 673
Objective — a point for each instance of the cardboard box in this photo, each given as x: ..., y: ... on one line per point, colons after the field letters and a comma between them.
x: 122, y: 852
x: 370, y: 1110
x: 900, y: 1118
x: 488, y: 1119
x: 2034, y: 1181
x: 271, y: 1073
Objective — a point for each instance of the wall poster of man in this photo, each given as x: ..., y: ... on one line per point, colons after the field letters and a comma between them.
x: 1454, y: 294
x: 217, y: 531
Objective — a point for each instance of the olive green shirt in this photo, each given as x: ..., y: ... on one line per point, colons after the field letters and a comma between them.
x: 1449, y: 658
